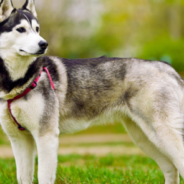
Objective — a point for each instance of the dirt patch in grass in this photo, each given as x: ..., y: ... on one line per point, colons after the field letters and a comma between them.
x: 73, y: 144
x: 75, y: 148
x: 6, y: 152
x: 93, y: 138
x: 100, y: 151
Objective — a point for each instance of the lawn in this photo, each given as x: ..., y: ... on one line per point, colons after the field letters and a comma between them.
x: 126, y: 168
x: 90, y: 169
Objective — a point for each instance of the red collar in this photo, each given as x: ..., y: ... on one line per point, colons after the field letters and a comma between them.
x: 33, y: 85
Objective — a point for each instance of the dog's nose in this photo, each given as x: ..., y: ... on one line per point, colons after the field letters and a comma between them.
x: 43, y: 44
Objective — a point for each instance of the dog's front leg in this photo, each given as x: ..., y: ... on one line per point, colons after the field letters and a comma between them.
x: 47, y: 146
x: 24, y: 151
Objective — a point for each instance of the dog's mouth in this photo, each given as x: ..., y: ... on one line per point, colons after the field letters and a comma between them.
x: 40, y: 52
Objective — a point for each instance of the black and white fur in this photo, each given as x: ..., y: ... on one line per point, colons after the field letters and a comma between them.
x: 149, y: 94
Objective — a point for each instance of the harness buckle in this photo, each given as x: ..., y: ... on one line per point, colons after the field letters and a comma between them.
x: 33, y: 85
x: 21, y: 128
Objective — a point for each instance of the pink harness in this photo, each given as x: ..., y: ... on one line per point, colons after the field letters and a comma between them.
x: 33, y: 85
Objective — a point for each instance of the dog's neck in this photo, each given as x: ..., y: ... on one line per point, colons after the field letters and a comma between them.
x: 16, y: 65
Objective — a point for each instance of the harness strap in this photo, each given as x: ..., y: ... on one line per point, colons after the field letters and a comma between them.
x: 33, y: 85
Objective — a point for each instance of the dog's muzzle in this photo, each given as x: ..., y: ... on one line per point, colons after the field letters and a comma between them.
x: 43, y: 46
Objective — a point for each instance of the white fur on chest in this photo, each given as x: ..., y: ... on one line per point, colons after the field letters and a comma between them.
x: 28, y: 113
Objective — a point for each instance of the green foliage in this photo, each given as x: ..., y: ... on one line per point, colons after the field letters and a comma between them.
x: 137, y: 28
x: 165, y: 48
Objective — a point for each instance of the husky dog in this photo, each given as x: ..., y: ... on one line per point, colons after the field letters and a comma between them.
x: 148, y: 96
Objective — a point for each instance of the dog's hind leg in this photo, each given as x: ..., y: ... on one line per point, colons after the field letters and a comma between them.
x: 170, y: 172
x: 24, y: 151
x: 168, y: 143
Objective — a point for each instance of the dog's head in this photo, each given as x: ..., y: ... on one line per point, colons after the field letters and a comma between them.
x: 19, y: 30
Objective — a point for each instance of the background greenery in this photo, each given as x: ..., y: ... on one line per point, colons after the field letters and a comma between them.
x: 149, y: 29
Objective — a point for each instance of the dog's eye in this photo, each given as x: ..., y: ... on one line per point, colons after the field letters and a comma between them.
x: 21, y: 30
x: 37, y: 29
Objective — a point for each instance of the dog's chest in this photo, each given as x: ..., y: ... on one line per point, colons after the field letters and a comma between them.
x: 28, y: 113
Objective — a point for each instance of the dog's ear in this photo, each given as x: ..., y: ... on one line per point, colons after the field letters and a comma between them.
x: 30, y: 5
x: 6, y: 8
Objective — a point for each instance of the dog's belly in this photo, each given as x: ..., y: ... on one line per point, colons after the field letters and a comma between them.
x: 72, y: 125
x: 109, y: 116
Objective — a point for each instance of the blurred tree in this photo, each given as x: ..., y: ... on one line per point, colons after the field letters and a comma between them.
x: 150, y: 29
x: 68, y: 26
x: 165, y: 34
x: 121, y: 24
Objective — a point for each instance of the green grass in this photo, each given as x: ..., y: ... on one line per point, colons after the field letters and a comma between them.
x: 89, y: 169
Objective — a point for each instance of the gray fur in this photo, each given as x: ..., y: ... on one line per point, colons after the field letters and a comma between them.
x: 94, y: 88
